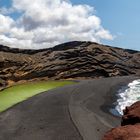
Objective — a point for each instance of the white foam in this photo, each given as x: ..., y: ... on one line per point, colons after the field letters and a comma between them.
x: 128, y: 95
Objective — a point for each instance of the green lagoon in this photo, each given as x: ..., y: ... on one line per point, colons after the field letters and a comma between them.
x: 18, y: 93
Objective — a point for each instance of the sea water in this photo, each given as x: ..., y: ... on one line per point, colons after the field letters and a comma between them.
x: 128, y: 95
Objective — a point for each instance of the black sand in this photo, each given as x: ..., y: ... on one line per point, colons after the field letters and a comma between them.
x: 75, y: 112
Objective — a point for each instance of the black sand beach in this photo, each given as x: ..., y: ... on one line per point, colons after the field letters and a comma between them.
x: 75, y: 112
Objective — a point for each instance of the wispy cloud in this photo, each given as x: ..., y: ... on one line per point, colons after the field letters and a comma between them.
x: 45, y: 23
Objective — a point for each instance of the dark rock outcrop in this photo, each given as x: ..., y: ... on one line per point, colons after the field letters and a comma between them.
x: 66, y: 61
x: 130, y: 129
x: 131, y: 114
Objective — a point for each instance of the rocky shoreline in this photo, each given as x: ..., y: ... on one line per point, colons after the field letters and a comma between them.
x: 72, y: 112
x: 74, y: 60
x: 130, y: 125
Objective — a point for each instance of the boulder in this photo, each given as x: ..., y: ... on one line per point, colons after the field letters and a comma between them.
x: 128, y: 132
x: 130, y: 129
x: 131, y: 114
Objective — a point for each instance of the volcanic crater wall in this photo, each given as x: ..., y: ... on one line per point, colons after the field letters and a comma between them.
x: 72, y: 60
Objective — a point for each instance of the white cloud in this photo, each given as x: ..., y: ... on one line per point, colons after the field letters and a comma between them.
x: 6, y: 24
x: 5, y: 10
x: 45, y: 23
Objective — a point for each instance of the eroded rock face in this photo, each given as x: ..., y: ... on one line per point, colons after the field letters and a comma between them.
x: 130, y: 129
x: 131, y: 114
x: 66, y: 61
x: 128, y: 132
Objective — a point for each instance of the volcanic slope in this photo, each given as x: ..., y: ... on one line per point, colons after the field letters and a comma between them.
x: 72, y: 60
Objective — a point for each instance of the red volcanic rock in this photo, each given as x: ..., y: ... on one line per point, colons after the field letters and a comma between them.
x: 131, y: 114
x: 130, y: 129
x: 128, y: 132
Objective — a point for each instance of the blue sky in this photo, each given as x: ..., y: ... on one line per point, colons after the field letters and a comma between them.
x: 6, y: 3
x: 121, y: 18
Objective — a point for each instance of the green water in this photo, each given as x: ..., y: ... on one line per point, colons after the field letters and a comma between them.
x: 19, y: 93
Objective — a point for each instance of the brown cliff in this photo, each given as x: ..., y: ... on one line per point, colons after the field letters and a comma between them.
x: 130, y: 129
x: 128, y: 132
x: 131, y: 114
x: 66, y: 61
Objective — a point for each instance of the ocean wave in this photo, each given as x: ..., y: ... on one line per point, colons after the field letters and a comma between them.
x: 128, y: 95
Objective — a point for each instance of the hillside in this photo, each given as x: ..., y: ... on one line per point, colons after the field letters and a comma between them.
x: 73, y: 60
